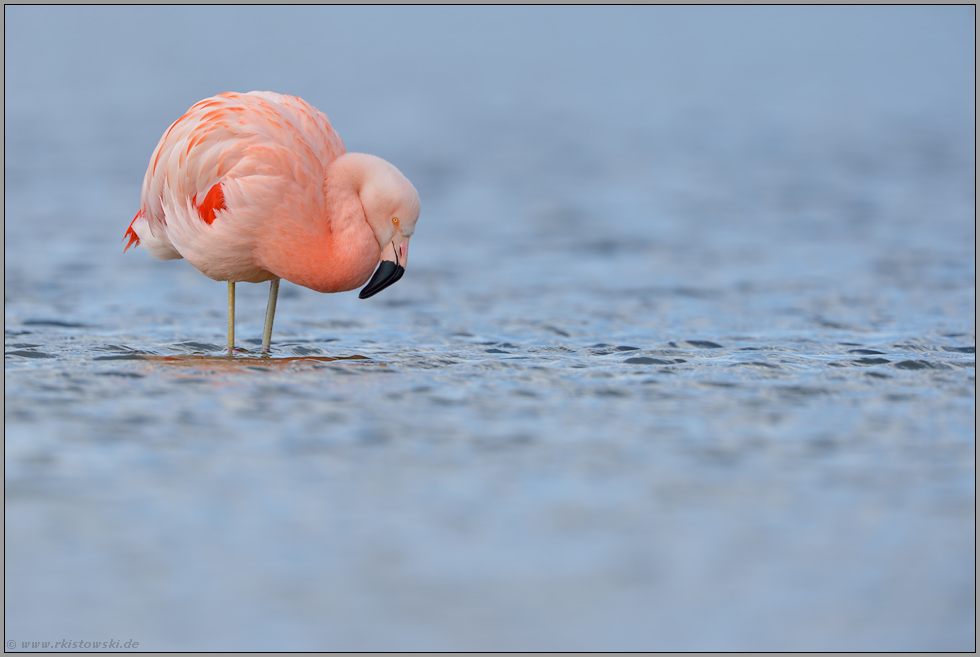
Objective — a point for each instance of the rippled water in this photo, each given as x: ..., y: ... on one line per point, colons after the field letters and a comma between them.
x: 691, y: 374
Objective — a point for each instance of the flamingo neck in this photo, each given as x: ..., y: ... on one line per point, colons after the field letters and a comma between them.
x: 329, y: 247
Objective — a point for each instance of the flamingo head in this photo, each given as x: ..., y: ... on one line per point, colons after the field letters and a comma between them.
x: 391, y: 206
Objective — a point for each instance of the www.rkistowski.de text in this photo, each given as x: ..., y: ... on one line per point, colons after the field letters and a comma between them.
x: 66, y: 644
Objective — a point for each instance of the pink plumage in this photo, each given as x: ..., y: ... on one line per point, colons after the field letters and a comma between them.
x: 258, y: 186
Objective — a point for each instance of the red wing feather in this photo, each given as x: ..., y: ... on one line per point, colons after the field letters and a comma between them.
x: 131, y: 234
x: 215, y: 200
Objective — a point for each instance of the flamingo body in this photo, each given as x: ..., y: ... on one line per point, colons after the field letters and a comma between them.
x: 241, y: 186
x: 258, y: 186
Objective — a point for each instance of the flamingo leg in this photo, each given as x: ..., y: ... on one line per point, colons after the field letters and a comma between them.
x: 231, y: 318
x: 270, y: 313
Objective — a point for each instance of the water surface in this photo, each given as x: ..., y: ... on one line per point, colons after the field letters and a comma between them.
x: 684, y: 358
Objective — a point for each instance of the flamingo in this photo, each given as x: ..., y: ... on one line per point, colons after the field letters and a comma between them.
x: 258, y: 187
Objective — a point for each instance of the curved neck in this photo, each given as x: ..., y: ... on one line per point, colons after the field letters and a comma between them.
x: 327, y: 246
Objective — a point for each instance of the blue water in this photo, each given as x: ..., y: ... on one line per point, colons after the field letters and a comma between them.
x: 684, y: 358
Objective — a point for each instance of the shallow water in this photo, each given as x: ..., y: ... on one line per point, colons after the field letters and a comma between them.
x: 690, y: 374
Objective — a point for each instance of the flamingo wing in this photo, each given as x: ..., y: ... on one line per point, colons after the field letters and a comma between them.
x: 230, y: 164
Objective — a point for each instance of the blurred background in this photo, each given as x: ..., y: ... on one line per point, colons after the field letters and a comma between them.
x: 684, y: 358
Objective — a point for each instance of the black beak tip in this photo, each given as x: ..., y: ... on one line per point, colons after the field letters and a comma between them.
x: 387, y: 273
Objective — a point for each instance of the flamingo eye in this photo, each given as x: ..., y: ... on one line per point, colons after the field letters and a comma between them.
x: 394, y: 220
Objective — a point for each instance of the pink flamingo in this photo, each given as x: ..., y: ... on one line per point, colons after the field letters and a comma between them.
x: 259, y: 187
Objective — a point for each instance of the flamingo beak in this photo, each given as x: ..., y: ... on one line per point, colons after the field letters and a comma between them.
x: 389, y: 271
